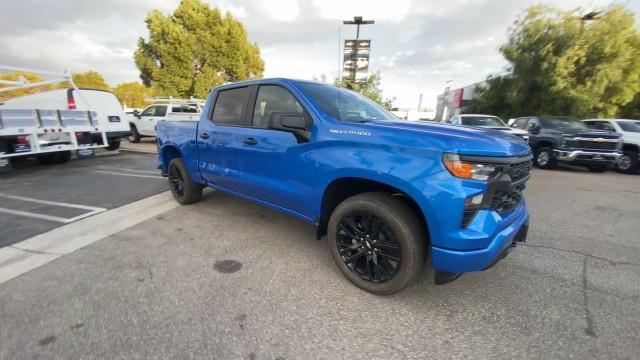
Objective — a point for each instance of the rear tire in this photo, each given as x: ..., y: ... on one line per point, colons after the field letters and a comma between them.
x: 64, y: 157
x: 628, y: 162
x: 598, y: 168
x: 388, y: 248
x: 544, y: 158
x: 113, y: 144
x: 135, y: 135
x: 49, y: 159
x: 184, y: 190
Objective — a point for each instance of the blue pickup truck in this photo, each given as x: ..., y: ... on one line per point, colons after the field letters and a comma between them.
x: 387, y: 193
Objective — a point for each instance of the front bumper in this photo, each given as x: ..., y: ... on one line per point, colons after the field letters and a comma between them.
x: 586, y: 156
x: 459, y: 261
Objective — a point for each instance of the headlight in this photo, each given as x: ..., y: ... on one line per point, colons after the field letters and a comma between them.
x: 469, y: 170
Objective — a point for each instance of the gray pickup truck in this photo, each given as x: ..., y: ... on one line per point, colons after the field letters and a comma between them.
x: 555, y: 139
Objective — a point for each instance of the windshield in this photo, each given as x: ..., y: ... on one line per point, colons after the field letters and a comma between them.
x: 563, y: 123
x: 483, y: 121
x: 630, y: 126
x: 343, y: 104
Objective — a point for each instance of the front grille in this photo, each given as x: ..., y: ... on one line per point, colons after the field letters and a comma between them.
x: 506, y: 200
x: 592, y: 144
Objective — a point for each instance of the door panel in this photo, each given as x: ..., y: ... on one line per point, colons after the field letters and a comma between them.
x: 258, y: 162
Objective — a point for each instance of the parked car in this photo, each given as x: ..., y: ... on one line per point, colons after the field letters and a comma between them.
x: 143, y: 124
x: 487, y: 121
x: 109, y: 112
x: 630, y: 132
x: 386, y: 192
x: 565, y: 139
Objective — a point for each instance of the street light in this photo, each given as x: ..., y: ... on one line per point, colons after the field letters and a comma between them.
x: 357, y: 20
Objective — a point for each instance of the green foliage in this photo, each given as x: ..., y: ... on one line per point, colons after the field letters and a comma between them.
x: 90, y: 80
x: 369, y: 88
x: 132, y: 94
x: 566, y: 66
x: 195, y: 49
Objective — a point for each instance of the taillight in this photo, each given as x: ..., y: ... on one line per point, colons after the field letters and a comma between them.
x: 71, y: 103
x: 22, y: 139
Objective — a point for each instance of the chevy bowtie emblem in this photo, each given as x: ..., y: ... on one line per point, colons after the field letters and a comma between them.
x: 599, y: 139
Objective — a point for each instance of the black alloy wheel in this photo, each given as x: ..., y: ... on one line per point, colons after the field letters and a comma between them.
x: 368, y: 247
x: 176, y: 181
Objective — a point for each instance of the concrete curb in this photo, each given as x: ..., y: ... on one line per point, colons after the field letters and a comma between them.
x: 34, y: 252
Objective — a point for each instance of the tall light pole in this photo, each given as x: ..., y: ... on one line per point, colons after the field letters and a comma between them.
x: 357, y: 21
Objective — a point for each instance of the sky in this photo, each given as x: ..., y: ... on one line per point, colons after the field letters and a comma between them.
x: 417, y: 46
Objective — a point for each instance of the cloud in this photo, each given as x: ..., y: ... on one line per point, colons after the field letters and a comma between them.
x: 417, y: 45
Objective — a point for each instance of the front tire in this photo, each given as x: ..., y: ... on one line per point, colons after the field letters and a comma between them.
x: 113, y: 145
x: 377, y: 242
x: 544, y: 158
x: 628, y: 162
x: 135, y: 136
x: 184, y: 190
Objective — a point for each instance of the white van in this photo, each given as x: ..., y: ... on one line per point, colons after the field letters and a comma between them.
x: 105, y: 104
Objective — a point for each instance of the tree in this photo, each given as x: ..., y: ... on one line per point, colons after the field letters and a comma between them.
x: 30, y: 77
x: 132, y: 94
x: 565, y: 65
x: 369, y: 88
x: 91, y: 80
x: 195, y: 49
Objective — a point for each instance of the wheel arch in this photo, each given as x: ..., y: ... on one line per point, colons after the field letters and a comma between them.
x: 630, y: 147
x: 342, y: 188
x: 167, y: 153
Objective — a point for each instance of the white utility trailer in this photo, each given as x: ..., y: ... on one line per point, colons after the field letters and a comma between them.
x: 48, y: 134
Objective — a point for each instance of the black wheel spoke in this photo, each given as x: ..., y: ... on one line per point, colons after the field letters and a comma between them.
x: 355, y: 257
x: 368, y: 246
x: 389, y: 257
x: 348, y: 231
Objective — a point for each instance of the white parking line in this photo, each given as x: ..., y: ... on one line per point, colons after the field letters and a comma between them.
x: 34, y: 215
x: 92, y: 210
x: 29, y: 254
x: 135, y: 170
x: 132, y: 175
x: 47, y: 202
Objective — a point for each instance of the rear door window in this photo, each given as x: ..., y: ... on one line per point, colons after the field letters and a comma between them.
x: 161, y: 110
x: 230, y: 106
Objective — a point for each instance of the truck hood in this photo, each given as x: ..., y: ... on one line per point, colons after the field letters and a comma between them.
x: 458, y: 139
x: 631, y: 138
x: 507, y: 129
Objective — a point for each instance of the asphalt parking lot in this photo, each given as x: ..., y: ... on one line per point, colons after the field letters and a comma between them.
x: 37, y: 198
x: 228, y: 279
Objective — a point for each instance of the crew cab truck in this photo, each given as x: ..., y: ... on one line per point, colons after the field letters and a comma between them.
x: 565, y: 139
x: 630, y: 132
x: 386, y: 192
x: 143, y: 124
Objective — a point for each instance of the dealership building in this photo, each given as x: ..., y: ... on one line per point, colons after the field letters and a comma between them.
x: 454, y: 101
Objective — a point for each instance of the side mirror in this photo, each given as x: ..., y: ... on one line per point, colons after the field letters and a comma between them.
x: 298, y: 124
x: 535, y: 130
x: 136, y: 113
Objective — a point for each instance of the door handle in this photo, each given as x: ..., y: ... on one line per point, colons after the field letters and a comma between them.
x: 251, y: 141
x: 204, y: 135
